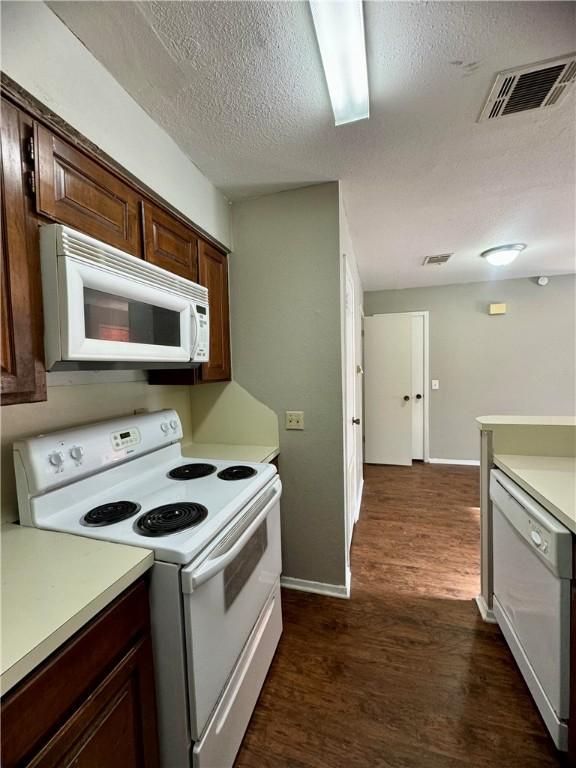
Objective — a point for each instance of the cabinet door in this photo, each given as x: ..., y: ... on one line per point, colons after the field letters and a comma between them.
x: 168, y: 243
x: 213, y: 274
x: 22, y: 370
x: 109, y: 728
x: 75, y: 190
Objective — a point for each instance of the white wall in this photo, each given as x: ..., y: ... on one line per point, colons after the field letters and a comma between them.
x: 41, y: 54
x: 521, y: 363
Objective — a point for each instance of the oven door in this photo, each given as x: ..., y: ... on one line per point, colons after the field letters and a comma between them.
x: 107, y: 316
x: 224, y: 593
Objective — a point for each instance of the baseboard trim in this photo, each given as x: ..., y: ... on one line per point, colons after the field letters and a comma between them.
x: 319, y: 587
x: 465, y: 462
x: 359, y: 501
x: 486, y: 613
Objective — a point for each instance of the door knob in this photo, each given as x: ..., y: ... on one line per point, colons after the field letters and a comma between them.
x: 406, y: 397
x: 355, y: 421
x: 418, y: 397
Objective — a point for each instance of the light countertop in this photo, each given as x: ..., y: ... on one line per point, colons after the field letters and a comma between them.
x: 53, y: 584
x: 526, y: 421
x: 551, y: 480
x: 224, y: 451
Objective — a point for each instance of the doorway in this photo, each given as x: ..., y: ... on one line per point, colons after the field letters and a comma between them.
x: 396, y: 356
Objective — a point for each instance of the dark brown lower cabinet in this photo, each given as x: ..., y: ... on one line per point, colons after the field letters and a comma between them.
x: 92, y: 703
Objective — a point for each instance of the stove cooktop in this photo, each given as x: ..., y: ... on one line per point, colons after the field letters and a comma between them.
x: 160, y: 501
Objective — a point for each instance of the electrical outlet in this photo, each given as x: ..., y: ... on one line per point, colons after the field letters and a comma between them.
x: 294, y: 419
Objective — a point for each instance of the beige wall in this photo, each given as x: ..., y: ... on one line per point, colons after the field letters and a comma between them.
x: 520, y: 363
x: 69, y: 405
x: 285, y: 317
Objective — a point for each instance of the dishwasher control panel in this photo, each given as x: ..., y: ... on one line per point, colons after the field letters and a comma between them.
x: 542, y: 532
x: 538, y: 537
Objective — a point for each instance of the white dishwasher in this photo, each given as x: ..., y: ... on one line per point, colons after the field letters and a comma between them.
x: 532, y: 571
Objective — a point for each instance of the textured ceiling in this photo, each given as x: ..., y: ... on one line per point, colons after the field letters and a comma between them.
x: 239, y: 86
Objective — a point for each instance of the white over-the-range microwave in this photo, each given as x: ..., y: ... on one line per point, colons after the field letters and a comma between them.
x: 104, y: 308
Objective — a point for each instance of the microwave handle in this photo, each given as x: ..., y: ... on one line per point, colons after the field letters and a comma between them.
x: 194, y: 331
x: 211, y: 566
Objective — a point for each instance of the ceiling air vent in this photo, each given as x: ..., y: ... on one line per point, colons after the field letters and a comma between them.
x: 534, y: 86
x: 441, y: 258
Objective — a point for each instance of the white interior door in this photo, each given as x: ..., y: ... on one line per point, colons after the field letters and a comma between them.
x: 388, y: 389
x: 417, y: 391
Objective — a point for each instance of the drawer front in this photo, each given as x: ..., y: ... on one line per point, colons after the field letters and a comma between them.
x: 75, y: 190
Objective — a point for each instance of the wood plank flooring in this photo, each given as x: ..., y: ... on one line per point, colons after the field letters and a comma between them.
x: 404, y: 674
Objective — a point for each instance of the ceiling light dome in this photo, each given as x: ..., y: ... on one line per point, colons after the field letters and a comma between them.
x: 503, y: 254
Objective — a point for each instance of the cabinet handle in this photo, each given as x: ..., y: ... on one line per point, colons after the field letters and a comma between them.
x: 406, y: 397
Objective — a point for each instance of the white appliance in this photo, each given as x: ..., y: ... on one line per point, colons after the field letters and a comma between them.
x: 215, y: 531
x: 105, y: 308
x: 532, y: 572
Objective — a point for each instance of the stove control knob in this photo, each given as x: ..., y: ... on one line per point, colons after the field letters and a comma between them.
x: 164, y: 427
x: 174, y: 424
x: 77, y: 453
x: 56, y: 459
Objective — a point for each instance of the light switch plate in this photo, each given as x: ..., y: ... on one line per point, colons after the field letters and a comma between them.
x: 294, y: 419
x: 435, y: 384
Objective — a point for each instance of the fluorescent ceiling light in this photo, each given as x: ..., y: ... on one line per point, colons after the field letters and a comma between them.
x: 339, y: 29
x: 503, y: 254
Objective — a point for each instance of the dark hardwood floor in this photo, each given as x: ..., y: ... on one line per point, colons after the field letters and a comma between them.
x: 404, y: 674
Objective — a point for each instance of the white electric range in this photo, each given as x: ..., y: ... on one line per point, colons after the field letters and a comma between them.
x: 214, y: 527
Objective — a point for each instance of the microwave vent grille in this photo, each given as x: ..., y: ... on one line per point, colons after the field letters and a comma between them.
x: 88, y: 250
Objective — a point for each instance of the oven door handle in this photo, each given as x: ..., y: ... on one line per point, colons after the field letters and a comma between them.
x: 192, y: 579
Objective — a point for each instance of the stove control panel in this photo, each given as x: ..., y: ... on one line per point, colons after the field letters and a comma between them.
x: 125, y: 438
x: 60, y: 458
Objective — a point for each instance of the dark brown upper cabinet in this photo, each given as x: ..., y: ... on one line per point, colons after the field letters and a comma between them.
x: 213, y: 274
x: 168, y: 243
x: 22, y: 367
x: 75, y: 190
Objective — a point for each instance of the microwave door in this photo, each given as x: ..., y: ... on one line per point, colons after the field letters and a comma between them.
x: 108, y: 317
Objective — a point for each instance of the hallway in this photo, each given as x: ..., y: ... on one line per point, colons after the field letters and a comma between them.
x: 405, y: 674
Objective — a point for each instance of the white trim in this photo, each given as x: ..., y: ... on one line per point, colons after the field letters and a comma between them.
x: 359, y: 501
x: 466, y: 462
x: 486, y: 613
x: 319, y: 587
x: 425, y: 314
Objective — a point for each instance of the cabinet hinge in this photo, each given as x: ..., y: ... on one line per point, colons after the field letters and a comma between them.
x: 29, y: 145
x: 31, y: 180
